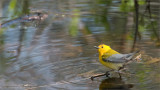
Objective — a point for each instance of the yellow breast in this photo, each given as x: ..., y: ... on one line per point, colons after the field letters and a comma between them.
x: 110, y: 65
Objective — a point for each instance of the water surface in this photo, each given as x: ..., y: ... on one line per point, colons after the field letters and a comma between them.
x: 58, y: 53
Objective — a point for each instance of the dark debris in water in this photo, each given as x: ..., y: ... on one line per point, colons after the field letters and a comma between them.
x: 27, y: 18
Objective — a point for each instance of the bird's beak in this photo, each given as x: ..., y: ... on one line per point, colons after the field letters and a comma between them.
x: 96, y: 47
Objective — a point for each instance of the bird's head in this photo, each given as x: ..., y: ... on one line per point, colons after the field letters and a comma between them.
x: 103, y: 48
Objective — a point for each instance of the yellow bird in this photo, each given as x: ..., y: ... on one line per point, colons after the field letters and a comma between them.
x: 113, y: 59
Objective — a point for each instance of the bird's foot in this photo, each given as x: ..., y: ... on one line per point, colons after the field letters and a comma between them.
x: 104, y: 74
x: 107, y: 74
x: 92, y: 78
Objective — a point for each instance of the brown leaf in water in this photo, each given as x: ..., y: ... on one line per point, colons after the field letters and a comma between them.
x: 153, y: 60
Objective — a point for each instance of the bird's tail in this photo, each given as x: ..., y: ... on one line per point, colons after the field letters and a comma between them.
x: 137, y: 51
x: 133, y: 54
x: 138, y: 57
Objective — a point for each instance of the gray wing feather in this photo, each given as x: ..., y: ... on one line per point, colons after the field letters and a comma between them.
x: 118, y: 58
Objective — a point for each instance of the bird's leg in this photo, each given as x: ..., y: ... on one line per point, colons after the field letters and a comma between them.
x: 119, y: 74
x: 119, y: 70
x: 105, y: 74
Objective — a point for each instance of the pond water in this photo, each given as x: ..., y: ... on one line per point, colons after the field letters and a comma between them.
x: 58, y: 53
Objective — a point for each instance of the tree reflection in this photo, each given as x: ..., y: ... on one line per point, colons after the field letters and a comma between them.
x: 137, y: 23
x: 17, y: 8
x: 155, y: 32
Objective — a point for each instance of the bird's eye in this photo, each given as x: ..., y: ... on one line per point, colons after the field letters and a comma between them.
x: 102, y: 46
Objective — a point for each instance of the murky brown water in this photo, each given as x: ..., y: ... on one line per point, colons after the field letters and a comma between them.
x: 58, y: 53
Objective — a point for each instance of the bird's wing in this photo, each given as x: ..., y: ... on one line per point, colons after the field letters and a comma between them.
x: 117, y: 58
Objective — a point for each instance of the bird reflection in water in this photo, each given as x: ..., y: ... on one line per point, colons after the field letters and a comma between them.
x: 114, y: 84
